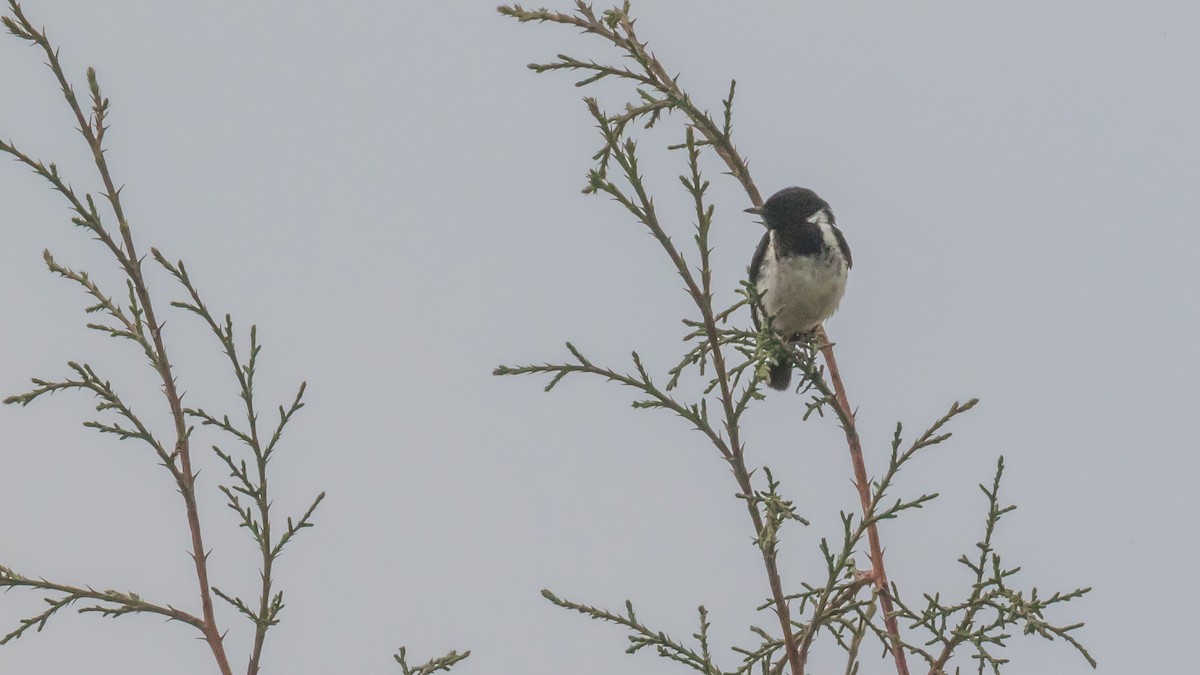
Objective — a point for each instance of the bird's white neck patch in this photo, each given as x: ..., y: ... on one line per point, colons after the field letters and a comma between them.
x: 824, y: 220
x: 820, y: 218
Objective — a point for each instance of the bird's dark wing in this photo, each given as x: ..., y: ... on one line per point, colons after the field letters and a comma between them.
x: 756, y: 266
x: 759, y: 254
x: 844, y: 246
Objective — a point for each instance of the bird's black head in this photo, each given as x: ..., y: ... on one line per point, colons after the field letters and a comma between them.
x: 790, y: 206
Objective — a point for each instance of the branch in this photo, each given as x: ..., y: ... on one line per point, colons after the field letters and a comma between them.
x: 441, y: 663
x: 257, y: 519
x: 122, y: 247
x: 116, y: 603
x: 641, y: 636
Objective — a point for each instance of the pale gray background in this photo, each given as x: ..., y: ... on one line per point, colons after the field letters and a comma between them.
x: 395, y: 201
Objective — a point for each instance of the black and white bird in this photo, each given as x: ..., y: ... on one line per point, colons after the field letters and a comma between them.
x: 799, y: 268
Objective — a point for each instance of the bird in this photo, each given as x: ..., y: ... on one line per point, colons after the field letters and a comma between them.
x: 799, y: 268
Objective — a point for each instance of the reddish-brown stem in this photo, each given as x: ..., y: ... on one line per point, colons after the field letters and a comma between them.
x: 863, y: 483
x: 738, y: 168
x: 723, y: 145
x: 185, y: 477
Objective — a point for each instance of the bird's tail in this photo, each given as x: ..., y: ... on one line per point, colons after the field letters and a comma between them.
x: 781, y: 376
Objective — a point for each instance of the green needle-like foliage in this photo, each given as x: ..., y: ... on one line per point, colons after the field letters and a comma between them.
x: 434, y: 665
x: 983, y: 617
x: 844, y: 601
x: 132, y: 318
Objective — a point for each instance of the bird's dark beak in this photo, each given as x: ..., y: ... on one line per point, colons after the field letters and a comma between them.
x: 757, y: 210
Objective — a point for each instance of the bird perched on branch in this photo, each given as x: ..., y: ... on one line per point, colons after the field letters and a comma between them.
x: 799, y: 267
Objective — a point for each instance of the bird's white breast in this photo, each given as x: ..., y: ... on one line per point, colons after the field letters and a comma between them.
x: 803, y: 291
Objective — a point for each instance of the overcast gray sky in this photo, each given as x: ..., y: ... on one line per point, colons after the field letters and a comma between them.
x: 394, y: 199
